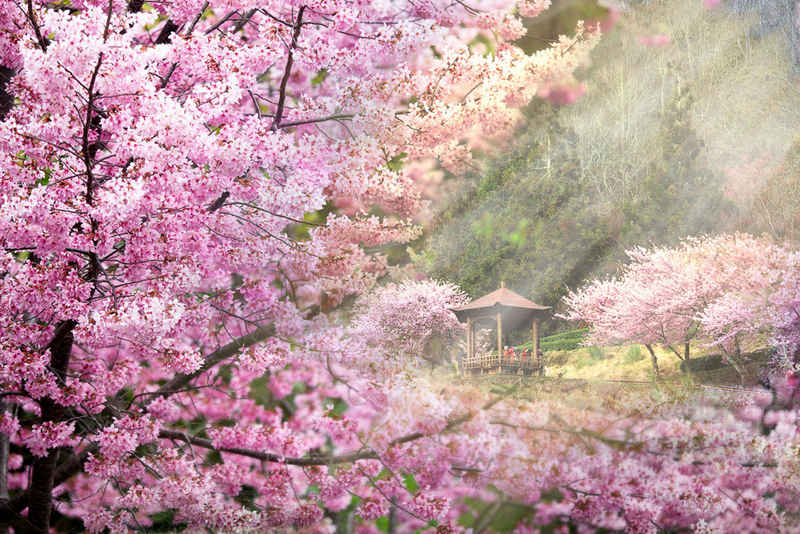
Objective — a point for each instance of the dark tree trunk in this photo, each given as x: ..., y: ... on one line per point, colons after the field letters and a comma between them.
x: 6, y: 100
x: 44, y: 469
x: 4, y: 455
x: 654, y: 359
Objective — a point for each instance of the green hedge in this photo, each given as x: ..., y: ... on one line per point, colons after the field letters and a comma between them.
x: 566, y: 340
x: 566, y: 334
x: 704, y: 363
x: 567, y: 344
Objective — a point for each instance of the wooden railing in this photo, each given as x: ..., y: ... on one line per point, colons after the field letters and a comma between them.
x: 490, y: 362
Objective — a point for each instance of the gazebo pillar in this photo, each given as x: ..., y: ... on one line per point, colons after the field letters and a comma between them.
x: 470, y: 348
x: 535, y: 344
x: 500, y: 339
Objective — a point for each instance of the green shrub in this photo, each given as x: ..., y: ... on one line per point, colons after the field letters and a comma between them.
x: 584, y: 360
x: 557, y: 358
x: 566, y: 334
x: 567, y: 340
x: 596, y: 354
x: 704, y: 363
x: 561, y: 345
x: 634, y: 354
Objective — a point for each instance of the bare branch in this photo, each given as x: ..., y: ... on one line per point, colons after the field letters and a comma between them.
x: 88, y: 159
x: 313, y: 121
x: 221, y: 21
x: 31, y: 15
x: 320, y: 460
x: 267, y: 456
x: 288, y: 70
x: 180, y: 380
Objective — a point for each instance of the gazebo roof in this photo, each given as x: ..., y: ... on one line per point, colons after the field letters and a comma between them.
x: 500, y: 297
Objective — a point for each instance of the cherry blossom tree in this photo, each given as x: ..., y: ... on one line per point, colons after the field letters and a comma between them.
x: 761, y: 301
x: 175, y: 353
x: 410, y: 319
x: 654, y: 300
x: 724, y: 291
x: 171, y: 268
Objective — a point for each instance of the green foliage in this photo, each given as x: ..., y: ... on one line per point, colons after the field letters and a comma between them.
x: 499, y: 517
x: 596, y: 353
x: 164, y: 522
x: 529, y: 219
x: 339, y: 406
x: 703, y: 363
x: 535, y: 219
x: 411, y: 483
x: 715, y: 361
x: 584, y: 360
x: 247, y: 496
x: 382, y: 523
x: 396, y: 163
x: 579, y: 333
x: 569, y: 339
x: 634, y: 354
x: 560, y: 19
x: 301, y: 232
x: 565, y: 340
x: 319, y: 77
x: 590, y: 356
x: 213, y: 457
x: 676, y: 181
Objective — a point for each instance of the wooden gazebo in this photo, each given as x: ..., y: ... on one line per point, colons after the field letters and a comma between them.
x: 509, y: 310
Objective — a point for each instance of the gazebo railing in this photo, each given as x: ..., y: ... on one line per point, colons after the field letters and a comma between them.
x: 491, y: 362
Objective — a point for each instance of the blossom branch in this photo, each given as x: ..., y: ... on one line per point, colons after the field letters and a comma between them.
x: 288, y: 70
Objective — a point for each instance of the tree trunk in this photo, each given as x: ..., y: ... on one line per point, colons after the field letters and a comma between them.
x: 738, y: 368
x: 686, y: 354
x: 392, y: 517
x: 654, y: 359
x: 44, y: 469
x: 4, y: 454
x: 735, y: 359
x: 6, y: 100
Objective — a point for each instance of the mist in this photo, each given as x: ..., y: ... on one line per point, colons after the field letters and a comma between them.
x: 688, y: 125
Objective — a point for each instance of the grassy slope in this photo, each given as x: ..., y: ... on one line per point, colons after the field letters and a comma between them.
x: 608, y: 363
x: 621, y: 363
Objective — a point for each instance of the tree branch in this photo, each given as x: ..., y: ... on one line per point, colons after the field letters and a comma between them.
x: 221, y: 21
x: 313, y: 121
x: 37, y: 30
x: 167, y: 31
x: 319, y: 460
x: 276, y: 122
x: 10, y: 509
x: 181, y: 380
x: 267, y: 456
x: 88, y: 157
